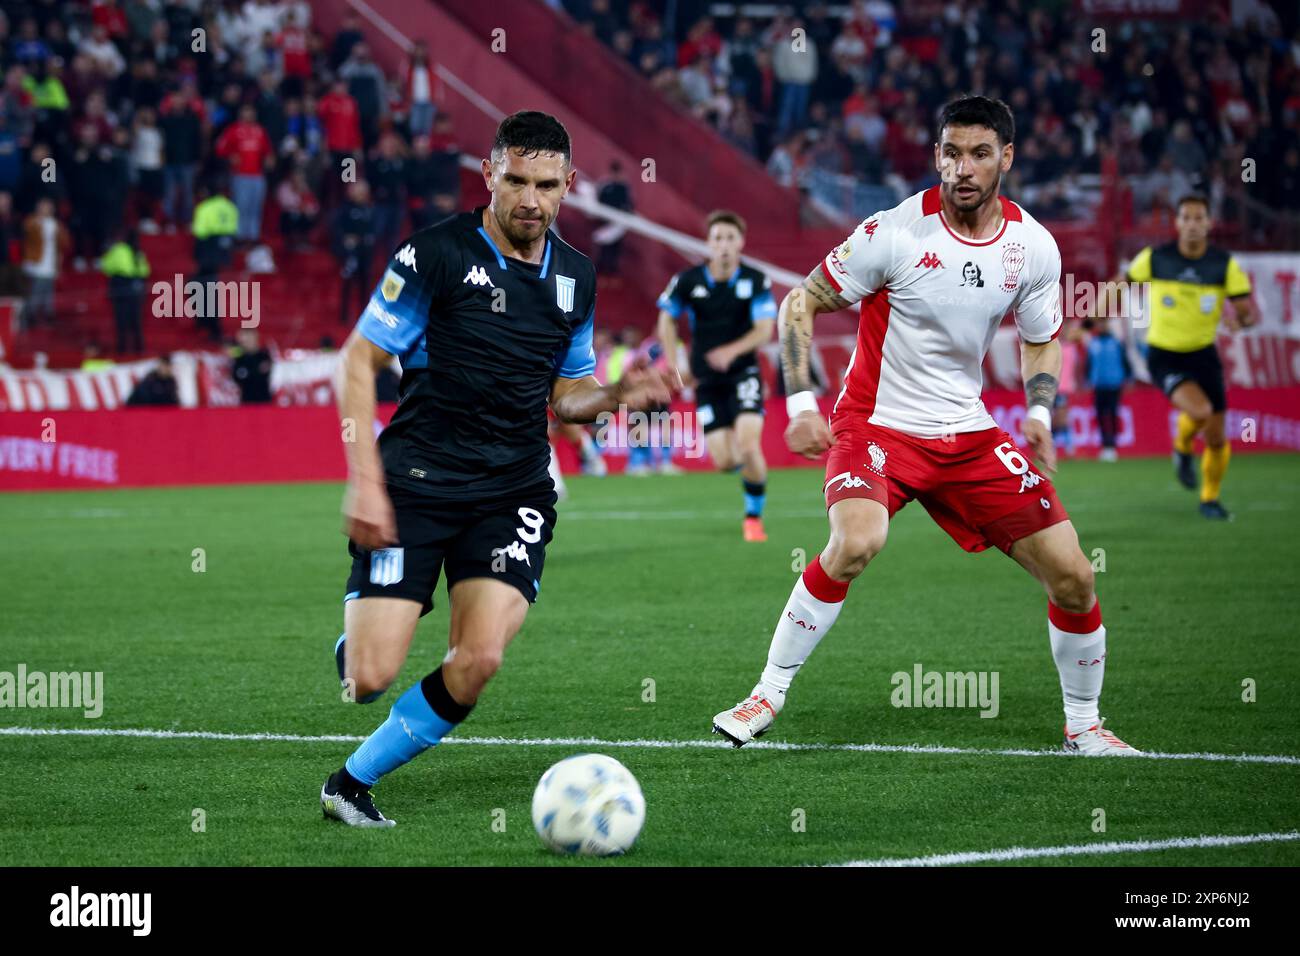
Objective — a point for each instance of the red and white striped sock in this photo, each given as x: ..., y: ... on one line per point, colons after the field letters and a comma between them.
x: 1079, y: 647
x: 813, y: 607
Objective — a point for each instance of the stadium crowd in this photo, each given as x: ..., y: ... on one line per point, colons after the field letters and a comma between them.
x: 852, y: 89
x: 120, y: 118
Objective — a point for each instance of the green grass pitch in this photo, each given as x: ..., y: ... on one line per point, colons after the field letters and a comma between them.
x: 648, y: 579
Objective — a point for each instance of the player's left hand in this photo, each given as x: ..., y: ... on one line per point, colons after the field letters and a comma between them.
x: 1039, y: 439
x: 642, y: 389
x: 719, y: 359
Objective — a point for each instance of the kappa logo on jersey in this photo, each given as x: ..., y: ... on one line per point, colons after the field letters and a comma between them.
x: 877, y: 459
x: 1013, y: 260
x: 699, y: 292
x: 392, y: 286
x: 386, y: 566
x: 477, y: 275
x: 929, y: 261
x: 564, y: 292
x: 844, y: 481
x: 869, y: 227
x: 515, y: 550
x: 406, y: 256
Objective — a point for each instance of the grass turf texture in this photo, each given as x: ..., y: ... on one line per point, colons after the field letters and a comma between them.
x: 648, y: 578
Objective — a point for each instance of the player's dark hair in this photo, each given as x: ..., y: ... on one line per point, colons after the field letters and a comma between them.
x: 1193, y: 197
x: 724, y: 216
x: 532, y: 132
x: 979, y: 111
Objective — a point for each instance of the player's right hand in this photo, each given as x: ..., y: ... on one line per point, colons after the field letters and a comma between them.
x: 368, y: 517
x: 643, y: 389
x: 808, y: 434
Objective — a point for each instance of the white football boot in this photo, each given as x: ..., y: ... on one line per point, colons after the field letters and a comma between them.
x: 748, y: 719
x: 1097, y: 742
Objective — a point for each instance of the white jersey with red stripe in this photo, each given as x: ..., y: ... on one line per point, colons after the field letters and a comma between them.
x: 931, y: 301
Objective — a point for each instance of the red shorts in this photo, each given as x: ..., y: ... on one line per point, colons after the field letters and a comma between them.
x: 978, y: 486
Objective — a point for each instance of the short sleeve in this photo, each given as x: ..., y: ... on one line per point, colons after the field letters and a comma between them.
x: 1038, y: 310
x: 397, y: 314
x: 578, y: 360
x: 1139, y: 270
x: 860, y: 265
x: 670, y: 299
x: 1236, y: 282
x: 763, y: 306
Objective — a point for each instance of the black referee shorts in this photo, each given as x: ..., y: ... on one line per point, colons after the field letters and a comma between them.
x: 503, y: 539
x: 1171, y: 369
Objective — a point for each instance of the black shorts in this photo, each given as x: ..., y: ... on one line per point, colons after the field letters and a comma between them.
x: 1171, y: 369
x: 504, y: 539
x: 719, y: 400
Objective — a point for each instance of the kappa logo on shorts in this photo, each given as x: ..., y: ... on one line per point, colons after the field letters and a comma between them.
x: 516, y: 550
x: 386, y: 566
x: 1029, y: 480
x: 877, y: 463
x: 846, y: 480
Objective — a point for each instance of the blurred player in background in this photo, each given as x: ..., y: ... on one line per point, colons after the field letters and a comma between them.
x: 1189, y: 279
x: 491, y: 315
x: 935, y: 276
x: 1108, y: 373
x: 731, y: 313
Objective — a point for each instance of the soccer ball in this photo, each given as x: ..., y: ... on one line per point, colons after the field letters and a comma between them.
x: 589, y: 805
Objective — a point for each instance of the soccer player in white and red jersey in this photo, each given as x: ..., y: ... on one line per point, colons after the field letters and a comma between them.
x: 935, y: 275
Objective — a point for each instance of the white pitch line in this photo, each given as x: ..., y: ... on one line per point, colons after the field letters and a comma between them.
x: 1014, y: 853
x: 921, y: 749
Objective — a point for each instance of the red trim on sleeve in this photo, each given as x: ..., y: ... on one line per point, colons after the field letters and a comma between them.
x: 1010, y: 211
x: 1075, y: 623
x: 821, y: 585
x: 830, y: 278
x: 930, y: 201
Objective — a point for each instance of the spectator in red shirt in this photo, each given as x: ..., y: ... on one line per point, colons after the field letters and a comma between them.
x: 248, y: 149
x: 341, y: 121
x: 109, y: 15
x: 295, y: 51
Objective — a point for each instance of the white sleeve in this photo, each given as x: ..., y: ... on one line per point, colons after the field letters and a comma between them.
x: 860, y: 265
x: 1038, y: 309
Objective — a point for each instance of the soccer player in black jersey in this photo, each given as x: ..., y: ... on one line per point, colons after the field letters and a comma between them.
x: 491, y: 316
x: 731, y: 313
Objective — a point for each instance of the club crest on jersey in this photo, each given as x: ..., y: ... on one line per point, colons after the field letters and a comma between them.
x: 1013, y: 260
x: 477, y: 275
x: 564, y: 292
x: 392, y: 286
x: 877, y: 455
x: 744, y: 288
x: 929, y: 261
x: 406, y: 256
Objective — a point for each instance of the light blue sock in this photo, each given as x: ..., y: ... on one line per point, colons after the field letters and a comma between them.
x: 755, y: 497
x: 411, y: 728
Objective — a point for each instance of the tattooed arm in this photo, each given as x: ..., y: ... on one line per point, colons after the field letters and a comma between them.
x: 807, y: 434
x: 1040, y: 365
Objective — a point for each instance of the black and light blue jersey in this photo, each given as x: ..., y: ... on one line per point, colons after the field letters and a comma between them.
x: 481, y: 339
x: 718, y: 312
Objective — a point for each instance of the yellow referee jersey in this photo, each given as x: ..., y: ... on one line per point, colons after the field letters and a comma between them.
x: 1185, y: 299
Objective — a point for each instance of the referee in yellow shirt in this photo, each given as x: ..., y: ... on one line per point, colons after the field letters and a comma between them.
x: 1189, y: 279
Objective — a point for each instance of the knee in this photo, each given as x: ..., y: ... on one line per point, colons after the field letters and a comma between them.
x: 1071, y: 587
x: 369, y: 680
x: 848, y: 554
x: 477, y: 666
x: 1214, y: 433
